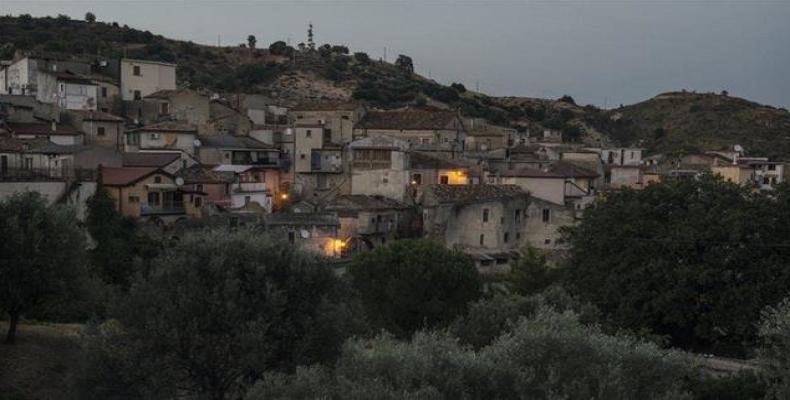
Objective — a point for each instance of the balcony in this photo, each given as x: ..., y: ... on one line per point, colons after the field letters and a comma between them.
x: 249, y: 187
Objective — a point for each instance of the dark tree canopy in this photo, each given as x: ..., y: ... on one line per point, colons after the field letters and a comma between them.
x: 41, y: 255
x: 405, y: 62
x: 217, y: 310
x: 695, y: 260
x: 251, y: 41
x: 90, y: 17
x: 413, y: 284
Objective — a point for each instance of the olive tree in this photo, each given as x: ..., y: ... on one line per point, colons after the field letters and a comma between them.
x: 42, y: 255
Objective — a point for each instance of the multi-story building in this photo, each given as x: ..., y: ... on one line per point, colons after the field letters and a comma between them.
x: 140, y: 78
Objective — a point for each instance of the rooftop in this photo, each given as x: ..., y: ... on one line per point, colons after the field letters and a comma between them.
x: 200, y: 174
x: 359, y: 202
x: 380, y: 142
x: 301, y: 219
x: 473, y: 193
x: 235, y: 142
x: 427, y: 161
x: 557, y: 170
x: 326, y: 105
x: 124, y: 176
x: 90, y: 115
x: 41, y: 129
x: 152, y: 159
x: 168, y: 126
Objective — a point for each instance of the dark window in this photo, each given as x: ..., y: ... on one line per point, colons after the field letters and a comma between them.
x: 327, y: 136
x: 153, y: 198
x: 518, y: 235
x: 546, y: 215
x: 507, y: 236
x: 137, y: 95
x: 518, y: 215
x: 485, y: 215
x: 136, y: 70
x: 157, y: 179
x: 291, y: 237
x: 164, y: 108
x: 308, y: 133
x: 482, y: 239
x: 416, y: 179
x: 198, y: 201
x: 444, y: 179
x: 100, y: 131
x: 103, y: 92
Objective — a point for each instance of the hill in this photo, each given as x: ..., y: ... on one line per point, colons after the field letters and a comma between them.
x: 685, y: 122
x: 671, y: 122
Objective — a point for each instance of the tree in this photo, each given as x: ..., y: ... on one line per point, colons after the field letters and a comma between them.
x: 459, y: 87
x: 280, y: 48
x: 546, y: 356
x: 532, y: 274
x: 405, y: 63
x: 90, y: 17
x: 217, y: 310
x: 362, y: 58
x: 696, y: 260
x: 413, y: 284
x: 774, y: 352
x: 567, y: 99
x: 41, y: 255
x: 113, y: 256
x: 251, y: 41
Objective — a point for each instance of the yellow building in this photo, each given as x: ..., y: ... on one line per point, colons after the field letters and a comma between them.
x: 740, y: 174
x: 149, y: 192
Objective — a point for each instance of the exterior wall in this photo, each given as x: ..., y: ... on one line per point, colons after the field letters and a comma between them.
x: 340, y: 122
x: 434, y: 176
x: 21, y: 78
x: 108, y: 97
x: 113, y: 133
x: 46, y: 89
x: 131, y: 207
x: 550, y: 189
x: 153, y: 76
x: 500, y: 232
x: 66, y: 139
x: 485, y: 142
x: 543, y: 233
x: 308, y: 187
x: 622, y: 156
x: 216, y: 193
x: 167, y: 141
x: 77, y: 96
x: 306, y: 138
x: 414, y: 136
x: 390, y: 180
x: 227, y: 120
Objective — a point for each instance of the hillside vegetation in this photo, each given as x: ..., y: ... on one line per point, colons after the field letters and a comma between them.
x: 670, y: 122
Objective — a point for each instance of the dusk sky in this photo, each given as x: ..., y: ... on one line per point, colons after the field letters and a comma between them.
x: 600, y: 52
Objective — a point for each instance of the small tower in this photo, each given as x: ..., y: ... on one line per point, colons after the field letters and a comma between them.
x: 310, y: 42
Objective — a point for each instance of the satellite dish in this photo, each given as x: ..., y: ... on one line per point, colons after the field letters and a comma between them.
x: 179, y: 181
x: 197, y: 143
x: 739, y: 148
x: 289, y: 131
x: 304, y: 233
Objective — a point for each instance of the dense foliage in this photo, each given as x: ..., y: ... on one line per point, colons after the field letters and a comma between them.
x: 414, y: 284
x: 775, y: 349
x: 42, y: 259
x: 547, y: 356
x: 696, y: 260
x: 216, y: 311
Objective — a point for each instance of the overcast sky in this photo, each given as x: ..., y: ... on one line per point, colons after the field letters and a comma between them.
x: 600, y: 52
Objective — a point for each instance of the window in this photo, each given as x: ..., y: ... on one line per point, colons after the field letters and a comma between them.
x: 321, y: 182
x: 133, y: 138
x: 518, y: 215
x: 444, y: 180
x: 105, y: 109
x: 28, y: 162
x: 247, y: 200
x: 772, y: 167
x: 302, y: 156
x: 157, y: 179
x: 164, y: 108
x: 485, y: 215
x: 518, y: 235
x: 344, y: 117
x: 137, y: 96
x: 153, y: 198
x: 327, y: 136
x: 104, y: 92
x: 482, y: 239
x: 546, y: 215
x: 100, y: 131
x: 547, y: 241
x: 291, y: 237
x: 198, y: 201
x: 506, y: 237
x: 425, y: 141
x: 134, y: 199
x: 136, y: 70
x: 416, y: 179
x: 199, y: 188
x: 308, y: 133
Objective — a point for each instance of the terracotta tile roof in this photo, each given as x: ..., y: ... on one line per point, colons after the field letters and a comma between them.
x: 301, y: 219
x: 124, y: 176
x: 89, y: 115
x: 14, y: 145
x: 379, y: 142
x: 152, y: 159
x: 473, y: 193
x: 168, y: 126
x: 557, y: 170
x: 41, y: 129
x: 200, y: 174
x: 166, y: 93
x: 234, y: 142
x: 409, y: 120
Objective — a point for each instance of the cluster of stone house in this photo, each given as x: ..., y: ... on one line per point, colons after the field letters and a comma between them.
x: 336, y: 177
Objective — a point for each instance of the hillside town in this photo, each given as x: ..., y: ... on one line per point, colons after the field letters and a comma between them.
x: 341, y: 177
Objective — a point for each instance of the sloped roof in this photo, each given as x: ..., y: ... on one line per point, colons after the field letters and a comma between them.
x: 473, y: 193
x: 152, y: 159
x: 20, y: 101
x: 409, y: 120
x: 124, y: 176
x: 167, y: 93
x: 234, y: 142
x: 42, y: 129
x: 89, y: 115
x: 168, y: 126
x: 14, y: 145
x: 200, y: 174
x: 54, y: 148
x: 301, y: 219
x: 426, y: 161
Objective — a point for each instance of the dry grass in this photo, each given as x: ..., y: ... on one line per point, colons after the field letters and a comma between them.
x: 38, y: 366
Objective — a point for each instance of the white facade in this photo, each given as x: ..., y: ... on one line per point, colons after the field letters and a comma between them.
x: 140, y: 78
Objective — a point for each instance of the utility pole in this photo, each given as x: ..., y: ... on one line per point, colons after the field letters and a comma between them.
x: 385, y: 53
